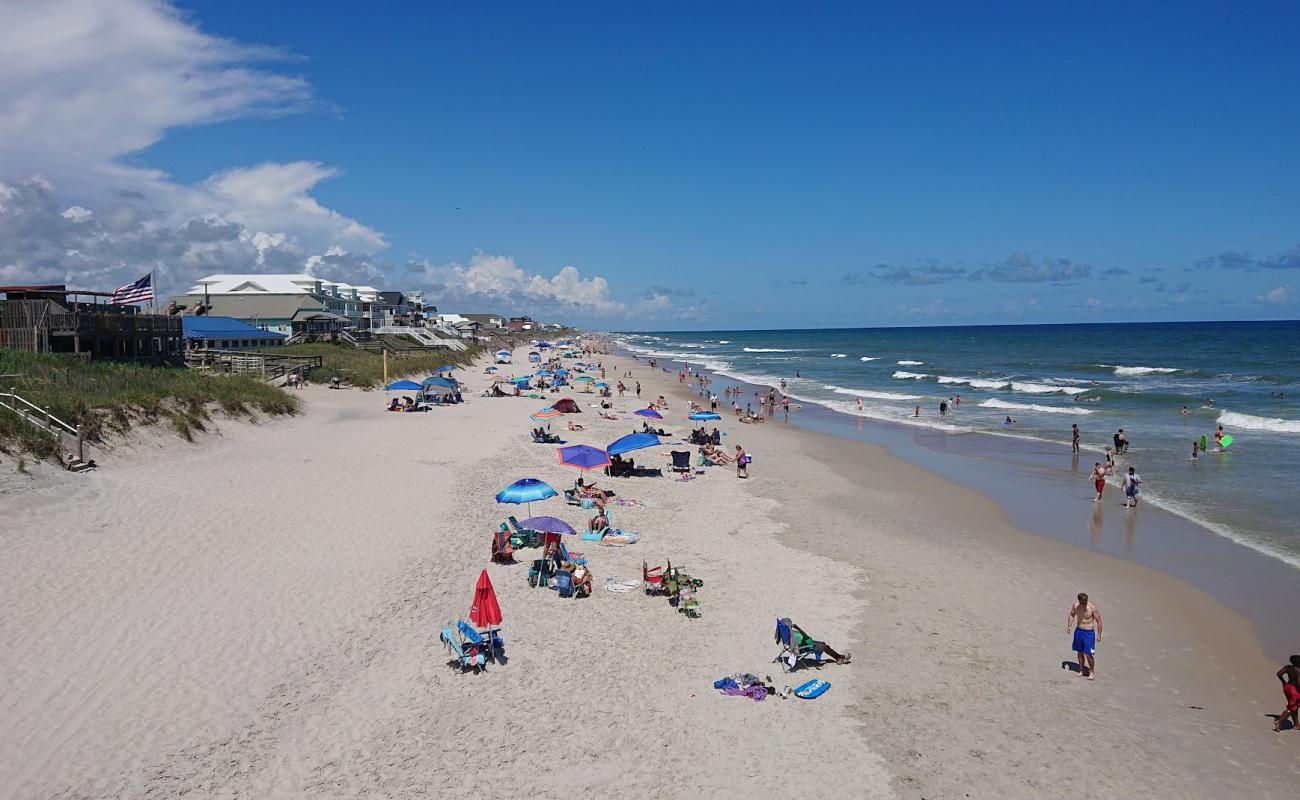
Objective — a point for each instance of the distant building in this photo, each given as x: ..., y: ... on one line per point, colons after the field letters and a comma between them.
x: 488, y: 321
x: 287, y: 314
x: 521, y: 324
x: 226, y: 333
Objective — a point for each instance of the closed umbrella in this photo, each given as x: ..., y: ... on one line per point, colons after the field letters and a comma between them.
x: 633, y: 441
x: 485, y: 611
x: 583, y: 456
x: 526, y: 490
x: 648, y: 412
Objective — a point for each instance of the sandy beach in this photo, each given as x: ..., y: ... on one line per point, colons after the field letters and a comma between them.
x: 257, y: 615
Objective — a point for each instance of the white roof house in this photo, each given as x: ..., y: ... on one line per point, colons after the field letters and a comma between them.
x: 299, y: 283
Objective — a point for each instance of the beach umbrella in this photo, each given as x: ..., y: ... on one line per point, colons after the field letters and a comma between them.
x: 526, y: 490
x: 402, y: 386
x: 503, y: 352
x: 633, y: 441
x: 546, y: 413
x: 445, y: 368
x: 648, y: 412
x: 548, y: 525
x: 524, y: 379
x: 583, y: 456
x: 583, y: 379
x: 702, y: 416
x: 484, y: 610
x: 543, y: 373
x: 602, y: 385
x: 561, y: 372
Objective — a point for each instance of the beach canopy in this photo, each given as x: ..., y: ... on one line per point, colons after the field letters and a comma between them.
x: 633, y: 441
x: 525, y: 490
x: 485, y: 611
x: 648, y: 412
x: 568, y: 405
x: 503, y: 352
x: 547, y: 525
x: 583, y: 456
x: 701, y: 416
x: 546, y: 413
x: 402, y: 386
x: 439, y: 382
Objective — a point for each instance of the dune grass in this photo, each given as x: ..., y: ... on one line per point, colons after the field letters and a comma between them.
x: 104, y: 397
x: 364, y: 368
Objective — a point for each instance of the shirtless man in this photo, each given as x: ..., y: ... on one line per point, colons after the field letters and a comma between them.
x: 1086, y: 621
x: 1290, y: 677
x: 1098, y: 480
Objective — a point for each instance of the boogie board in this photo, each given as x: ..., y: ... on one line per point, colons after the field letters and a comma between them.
x: 1205, y: 441
x: 812, y: 689
x: 1225, y: 442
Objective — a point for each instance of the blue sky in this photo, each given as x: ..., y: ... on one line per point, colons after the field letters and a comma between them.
x: 762, y: 165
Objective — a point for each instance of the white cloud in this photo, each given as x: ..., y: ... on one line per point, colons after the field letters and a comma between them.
x: 87, y: 84
x: 492, y: 278
x: 1278, y: 296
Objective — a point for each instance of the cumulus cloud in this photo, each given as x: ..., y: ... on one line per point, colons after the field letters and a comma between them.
x: 1278, y: 296
x: 85, y: 85
x: 1241, y: 260
x: 925, y: 274
x: 1020, y: 267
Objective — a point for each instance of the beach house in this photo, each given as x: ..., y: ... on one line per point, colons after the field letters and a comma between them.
x: 226, y: 333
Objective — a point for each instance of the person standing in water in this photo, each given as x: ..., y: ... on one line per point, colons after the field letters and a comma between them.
x: 1086, y: 621
x: 1131, y: 482
x: 1074, y: 438
x: 1098, y: 477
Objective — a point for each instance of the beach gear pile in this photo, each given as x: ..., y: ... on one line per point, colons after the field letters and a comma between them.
x: 745, y: 685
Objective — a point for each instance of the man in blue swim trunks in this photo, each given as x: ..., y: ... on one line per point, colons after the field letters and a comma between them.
x: 1085, y: 619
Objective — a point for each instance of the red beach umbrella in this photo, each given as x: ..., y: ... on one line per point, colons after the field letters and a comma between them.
x: 485, y: 611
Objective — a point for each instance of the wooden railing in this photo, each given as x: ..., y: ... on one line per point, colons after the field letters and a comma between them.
x: 268, y: 366
x: 41, y: 419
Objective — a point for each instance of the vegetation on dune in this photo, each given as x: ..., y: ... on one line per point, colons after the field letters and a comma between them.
x: 365, y: 368
x: 104, y: 397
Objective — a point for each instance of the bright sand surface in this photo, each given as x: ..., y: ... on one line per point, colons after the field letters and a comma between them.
x: 258, y: 616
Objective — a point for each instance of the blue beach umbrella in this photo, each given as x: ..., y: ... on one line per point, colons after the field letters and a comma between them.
x: 602, y: 385
x: 402, y: 386
x: 526, y: 490
x: 543, y: 373
x: 702, y: 416
x: 648, y: 412
x: 633, y: 441
x: 583, y: 456
x: 445, y: 368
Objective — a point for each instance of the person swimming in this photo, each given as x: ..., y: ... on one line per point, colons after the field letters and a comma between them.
x: 1009, y: 421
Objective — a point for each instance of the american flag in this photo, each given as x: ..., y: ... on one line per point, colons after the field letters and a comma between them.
x: 139, y: 292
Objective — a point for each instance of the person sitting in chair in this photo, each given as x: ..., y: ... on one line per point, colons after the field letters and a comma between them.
x: 581, y: 581
x: 394, y: 405
x: 801, y: 640
x: 598, y: 523
x: 584, y: 490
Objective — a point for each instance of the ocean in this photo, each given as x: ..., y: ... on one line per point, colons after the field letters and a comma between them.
x: 1244, y: 376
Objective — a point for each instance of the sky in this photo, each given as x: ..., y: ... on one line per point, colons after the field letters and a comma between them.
x: 669, y: 165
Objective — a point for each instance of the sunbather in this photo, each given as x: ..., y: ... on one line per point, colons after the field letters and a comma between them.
x: 801, y: 639
x: 591, y: 491
x: 599, y: 522
x: 573, y: 426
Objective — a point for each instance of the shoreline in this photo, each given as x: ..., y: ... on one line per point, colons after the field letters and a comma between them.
x: 259, y: 616
x: 1259, y: 584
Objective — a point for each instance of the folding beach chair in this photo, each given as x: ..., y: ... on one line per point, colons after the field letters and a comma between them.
x: 681, y: 461
x: 564, y: 583
x: 502, y: 549
x: 653, y: 578
x: 488, y: 642
x: 466, y: 657
x: 527, y: 537
x: 792, y: 654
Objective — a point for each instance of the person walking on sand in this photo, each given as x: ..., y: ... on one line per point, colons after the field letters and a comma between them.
x: 1290, y: 677
x: 1074, y: 438
x: 638, y: 389
x: 1131, y: 482
x: 1086, y: 621
x: 1098, y: 477
x: 742, y: 463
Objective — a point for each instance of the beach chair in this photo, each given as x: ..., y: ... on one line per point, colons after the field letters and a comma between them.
x: 488, y: 642
x: 595, y: 536
x: 681, y: 461
x: 539, y: 574
x: 466, y: 658
x: 570, y: 556
x: 571, y: 497
x: 653, y: 578
x: 502, y: 549
x: 527, y: 537
x: 792, y: 655
x: 564, y: 583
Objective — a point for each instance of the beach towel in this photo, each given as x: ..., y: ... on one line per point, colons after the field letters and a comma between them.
x: 628, y: 502
x: 621, y: 587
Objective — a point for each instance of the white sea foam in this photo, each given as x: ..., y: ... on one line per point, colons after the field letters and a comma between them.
x: 838, y: 355
x: 1007, y: 405
x: 724, y: 341
x: 870, y: 395
x: 869, y: 358
x: 978, y: 383
x: 916, y: 376
x: 1121, y: 370
x: 1250, y: 422
x: 767, y: 350
x: 1043, y: 388
x: 906, y: 363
